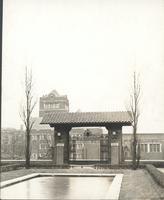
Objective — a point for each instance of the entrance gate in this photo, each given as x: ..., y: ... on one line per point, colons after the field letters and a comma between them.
x: 88, y: 145
x: 64, y: 122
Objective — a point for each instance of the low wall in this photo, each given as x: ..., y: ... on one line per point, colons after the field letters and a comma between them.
x: 156, y: 174
x: 156, y: 163
x: 5, y: 168
x: 121, y: 166
x: 9, y: 166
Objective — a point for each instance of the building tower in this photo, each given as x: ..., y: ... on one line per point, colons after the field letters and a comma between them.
x: 53, y: 102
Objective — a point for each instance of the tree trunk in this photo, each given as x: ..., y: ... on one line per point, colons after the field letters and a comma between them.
x: 134, y: 155
x: 134, y: 148
x: 138, y: 156
x: 27, y: 149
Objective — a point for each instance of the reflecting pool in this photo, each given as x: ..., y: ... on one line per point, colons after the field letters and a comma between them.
x: 58, y: 187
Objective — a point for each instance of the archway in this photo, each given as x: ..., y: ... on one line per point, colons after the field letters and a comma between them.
x: 64, y: 122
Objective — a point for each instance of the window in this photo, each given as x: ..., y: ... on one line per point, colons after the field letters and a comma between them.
x: 66, y: 107
x: 43, y: 146
x: 34, y: 156
x: 57, y: 105
x: 144, y: 148
x: 155, y: 148
x: 41, y: 137
x: 49, y: 137
x: 34, y: 137
x: 49, y: 105
x: 104, y: 156
x: 41, y: 155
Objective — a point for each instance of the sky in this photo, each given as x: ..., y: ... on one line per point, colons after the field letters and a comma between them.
x: 87, y: 50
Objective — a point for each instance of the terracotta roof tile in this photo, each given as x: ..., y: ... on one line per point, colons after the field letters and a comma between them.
x: 86, y: 117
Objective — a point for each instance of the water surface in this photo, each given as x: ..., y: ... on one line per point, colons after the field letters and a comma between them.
x: 59, y: 188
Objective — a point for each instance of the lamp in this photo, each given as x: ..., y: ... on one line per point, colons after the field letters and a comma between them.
x: 58, y: 134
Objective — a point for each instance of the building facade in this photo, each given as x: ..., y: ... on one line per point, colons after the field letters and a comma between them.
x: 42, y: 135
x: 12, y: 144
x: 151, y: 146
x: 82, y: 147
x: 41, y: 144
x: 85, y: 144
x: 53, y: 102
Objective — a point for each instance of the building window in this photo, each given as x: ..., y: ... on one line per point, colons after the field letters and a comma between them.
x: 41, y: 155
x: 66, y: 107
x: 34, y: 137
x: 51, y: 105
x: 155, y: 148
x: 57, y: 105
x: 42, y: 146
x: 47, y: 106
x: 49, y: 137
x: 144, y: 148
x: 41, y: 137
x: 34, y: 156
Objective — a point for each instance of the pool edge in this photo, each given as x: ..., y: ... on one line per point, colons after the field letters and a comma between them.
x: 112, y: 193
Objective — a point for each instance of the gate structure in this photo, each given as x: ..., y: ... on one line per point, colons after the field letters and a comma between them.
x: 64, y: 122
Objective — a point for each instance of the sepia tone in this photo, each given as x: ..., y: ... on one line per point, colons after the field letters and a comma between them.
x: 82, y: 99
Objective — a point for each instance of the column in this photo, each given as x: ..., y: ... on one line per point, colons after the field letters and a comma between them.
x: 109, y: 145
x: 116, y: 144
x: 54, y: 153
x: 66, y: 147
x: 62, y: 141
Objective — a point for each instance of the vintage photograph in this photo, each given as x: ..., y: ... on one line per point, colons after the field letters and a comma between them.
x: 82, y: 99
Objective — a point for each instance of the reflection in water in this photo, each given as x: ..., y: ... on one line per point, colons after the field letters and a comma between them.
x: 59, y: 188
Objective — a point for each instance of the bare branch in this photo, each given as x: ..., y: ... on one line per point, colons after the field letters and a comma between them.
x: 27, y: 110
x: 134, y: 111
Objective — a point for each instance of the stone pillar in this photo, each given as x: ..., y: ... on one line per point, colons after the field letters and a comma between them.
x: 54, y: 153
x: 115, y: 144
x: 120, y: 141
x: 60, y: 154
x: 109, y: 145
x: 65, y: 139
x: 61, y: 135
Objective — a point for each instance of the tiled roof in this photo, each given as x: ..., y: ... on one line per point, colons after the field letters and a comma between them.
x: 76, y: 118
x: 38, y: 126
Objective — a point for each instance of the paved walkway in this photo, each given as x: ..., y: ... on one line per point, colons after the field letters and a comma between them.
x: 136, y: 185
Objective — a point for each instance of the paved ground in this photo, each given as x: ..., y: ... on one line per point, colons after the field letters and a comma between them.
x: 138, y: 185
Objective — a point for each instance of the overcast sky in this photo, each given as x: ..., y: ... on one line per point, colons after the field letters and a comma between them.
x: 87, y: 50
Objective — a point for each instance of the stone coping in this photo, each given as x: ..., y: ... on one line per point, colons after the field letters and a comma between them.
x: 17, y: 180
x: 112, y: 193
x: 161, y: 169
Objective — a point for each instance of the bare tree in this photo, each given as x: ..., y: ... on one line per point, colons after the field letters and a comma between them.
x: 134, y: 113
x: 49, y: 147
x: 26, y: 112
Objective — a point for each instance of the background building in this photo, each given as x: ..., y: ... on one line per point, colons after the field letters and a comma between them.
x: 85, y: 144
x: 53, y: 102
x: 12, y: 144
x: 151, y: 146
x: 42, y: 135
